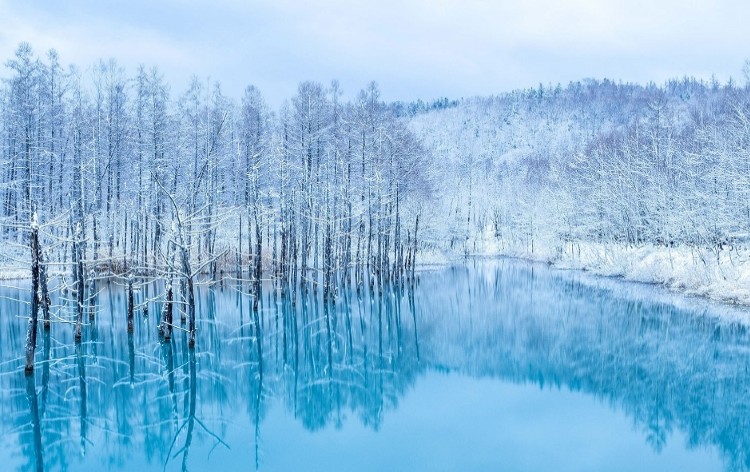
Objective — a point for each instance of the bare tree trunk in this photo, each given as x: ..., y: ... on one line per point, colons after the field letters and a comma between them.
x: 165, y: 329
x: 44, y: 292
x: 414, y: 248
x: 190, y: 295
x: 131, y: 308
x: 79, y: 282
x: 33, y: 321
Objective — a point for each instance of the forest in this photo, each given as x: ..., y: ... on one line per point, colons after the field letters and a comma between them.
x: 650, y: 182
x: 599, y: 161
x: 109, y: 175
x: 106, y: 174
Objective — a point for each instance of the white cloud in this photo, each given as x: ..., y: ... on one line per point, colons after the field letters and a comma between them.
x: 414, y: 48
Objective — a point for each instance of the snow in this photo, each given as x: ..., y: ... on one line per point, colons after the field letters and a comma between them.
x: 15, y: 274
x: 723, y: 277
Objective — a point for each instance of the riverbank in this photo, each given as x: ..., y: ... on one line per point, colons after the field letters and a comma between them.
x: 722, y: 276
x: 717, y: 275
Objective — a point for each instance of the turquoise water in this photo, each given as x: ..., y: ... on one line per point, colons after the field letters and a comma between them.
x: 495, y: 365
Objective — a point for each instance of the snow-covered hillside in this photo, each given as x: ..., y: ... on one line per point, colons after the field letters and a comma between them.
x: 651, y: 183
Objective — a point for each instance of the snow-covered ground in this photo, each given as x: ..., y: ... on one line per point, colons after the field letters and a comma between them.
x: 723, y: 276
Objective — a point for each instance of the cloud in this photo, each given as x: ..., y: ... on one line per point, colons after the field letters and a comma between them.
x: 414, y: 48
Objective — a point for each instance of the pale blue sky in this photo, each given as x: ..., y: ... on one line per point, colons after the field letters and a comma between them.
x: 413, y: 48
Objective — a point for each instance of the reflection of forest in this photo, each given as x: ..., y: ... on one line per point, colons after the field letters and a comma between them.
x: 120, y: 394
x: 117, y: 396
x: 667, y: 368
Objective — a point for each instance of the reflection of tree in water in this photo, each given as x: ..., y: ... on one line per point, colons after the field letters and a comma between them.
x: 666, y: 367
x: 36, y: 430
x: 120, y: 393
x: 117, y: 396
x: 350, y: 358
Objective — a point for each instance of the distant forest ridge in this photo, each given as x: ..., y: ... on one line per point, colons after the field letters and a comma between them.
x: 597, y: 161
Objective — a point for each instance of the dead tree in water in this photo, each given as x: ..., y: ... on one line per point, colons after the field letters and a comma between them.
x: 91, y: 284
x: 258, y: 269
x: 79, y: 281
x: 414, y: 248
x: 131, y: 308
x: 33, y: 321
x: 44, y: 299
x: 186, y: 272
x: 165, y: 327
x: 190, y: 294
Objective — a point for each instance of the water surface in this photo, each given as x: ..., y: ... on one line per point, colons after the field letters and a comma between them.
x: 495, y: 365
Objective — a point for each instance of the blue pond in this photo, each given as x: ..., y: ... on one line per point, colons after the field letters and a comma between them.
x: 491, y: 365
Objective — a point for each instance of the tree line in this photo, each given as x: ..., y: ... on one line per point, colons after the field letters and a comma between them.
x: 545, y: 169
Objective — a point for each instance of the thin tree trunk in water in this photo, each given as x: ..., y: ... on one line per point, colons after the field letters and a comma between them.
x: 328, y: 264
x: 190, y: 296
x: 397, y: 255
x: 130, y: 304
x: 165, y: 326
x: 44, y: 292
x: 359, y: 270
x: 91, y: 298
x: 258, y: 249
x: 414, y: 250
x: 258, y: 261
x: 165, y: 329
x: 125, y: 243
x: 79, y: 282
x: 238, y: 268
x: 183, y: 296
x: 95, y: 255
x: 33, y: 321
x: 368, y: 253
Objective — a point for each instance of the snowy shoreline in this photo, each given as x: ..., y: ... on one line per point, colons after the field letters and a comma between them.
x: 690, y: 271
x: 722, y: 277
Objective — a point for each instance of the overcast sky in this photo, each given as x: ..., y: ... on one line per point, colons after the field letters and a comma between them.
x: 412, y: 48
